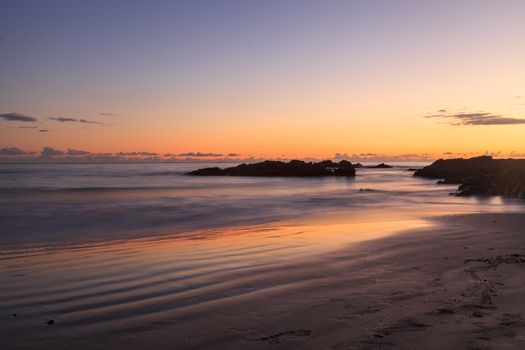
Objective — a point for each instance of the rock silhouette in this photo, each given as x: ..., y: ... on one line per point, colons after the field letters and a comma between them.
x: 378, y: 166
x: 480, y: 175
x: 278, y: 168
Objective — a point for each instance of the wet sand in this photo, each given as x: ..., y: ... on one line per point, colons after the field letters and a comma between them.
x: 458, y: 284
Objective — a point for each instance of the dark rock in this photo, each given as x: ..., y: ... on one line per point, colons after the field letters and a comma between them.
x: 345, y: 164
x: 480, y: 175
x: 208, y: 172
x: 456, y: 169
x: 475, y: 185
x: 381, y: 166
x: 451, y: 181
x: 327, y: 164
x: 277, y: 168
x: 378, y: 166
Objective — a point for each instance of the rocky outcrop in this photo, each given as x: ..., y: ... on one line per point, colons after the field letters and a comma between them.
x: 277, y: 168
x: 381, y: 166
x: 480, y: 175
x: 378, y: 166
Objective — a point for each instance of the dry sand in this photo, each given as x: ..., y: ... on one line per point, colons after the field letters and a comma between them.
x: 457, y: 285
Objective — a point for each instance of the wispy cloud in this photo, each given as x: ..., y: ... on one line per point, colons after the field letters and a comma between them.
x: 17, y: 117
x: 43, y: 130
x: 51, y: 152
x: 199, y: 154
x: 377, y: 157
x: 12, y: 151
x: 148, y: 154
x: 480, y: 118
x: 341, y: 156
x: 233, y: 154
x: 73, y: 120
x: 76, y: 152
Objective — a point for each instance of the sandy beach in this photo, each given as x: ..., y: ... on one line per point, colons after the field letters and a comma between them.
x: 456, y: 284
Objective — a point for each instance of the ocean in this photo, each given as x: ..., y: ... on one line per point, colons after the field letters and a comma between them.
x: 61, y: 204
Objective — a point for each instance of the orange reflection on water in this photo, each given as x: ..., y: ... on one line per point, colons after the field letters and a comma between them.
x: 114, y: 284
x: 185, y: 255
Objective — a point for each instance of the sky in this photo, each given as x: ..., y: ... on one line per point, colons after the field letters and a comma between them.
x: 266, y: 78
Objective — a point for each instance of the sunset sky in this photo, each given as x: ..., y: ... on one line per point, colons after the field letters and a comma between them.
x: 263, y: 78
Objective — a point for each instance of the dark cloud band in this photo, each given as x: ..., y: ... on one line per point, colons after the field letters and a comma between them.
x: 199, y: 154
x: 477, y: 119
x: 73, y: 120
x: 17, y: 117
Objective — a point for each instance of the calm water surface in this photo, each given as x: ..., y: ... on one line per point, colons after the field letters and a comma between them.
x: 56, y: 204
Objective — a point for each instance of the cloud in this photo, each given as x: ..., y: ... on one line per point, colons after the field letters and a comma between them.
x: 28, y: 127
x: 517, y: 154
x: 478, y: 119
x: 137, y: 154
x: 76, y: 152
x: 63, y: 119
x: 12, y: 151
x: 342, y: 156
x: 51, y: 152
x: 366, y: 155
x: 73, y: 120
x: 17, y: 117
x: 233, y: 154
x: 442, y: 111
x: 108, y: 114
x: 377, y: 157
x: 88, y: 121
x: 199, y: 154
x: 43, y: 130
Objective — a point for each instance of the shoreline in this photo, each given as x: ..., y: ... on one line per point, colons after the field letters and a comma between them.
x: 447, y: 287
x: 458, y: 284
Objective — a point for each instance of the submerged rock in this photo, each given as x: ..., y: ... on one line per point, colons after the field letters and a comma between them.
x: 480, y: 175
x: 277, y: 168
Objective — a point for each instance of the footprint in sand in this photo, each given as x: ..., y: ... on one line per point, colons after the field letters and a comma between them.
x: 405, y: 325
x: 287, y: 336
